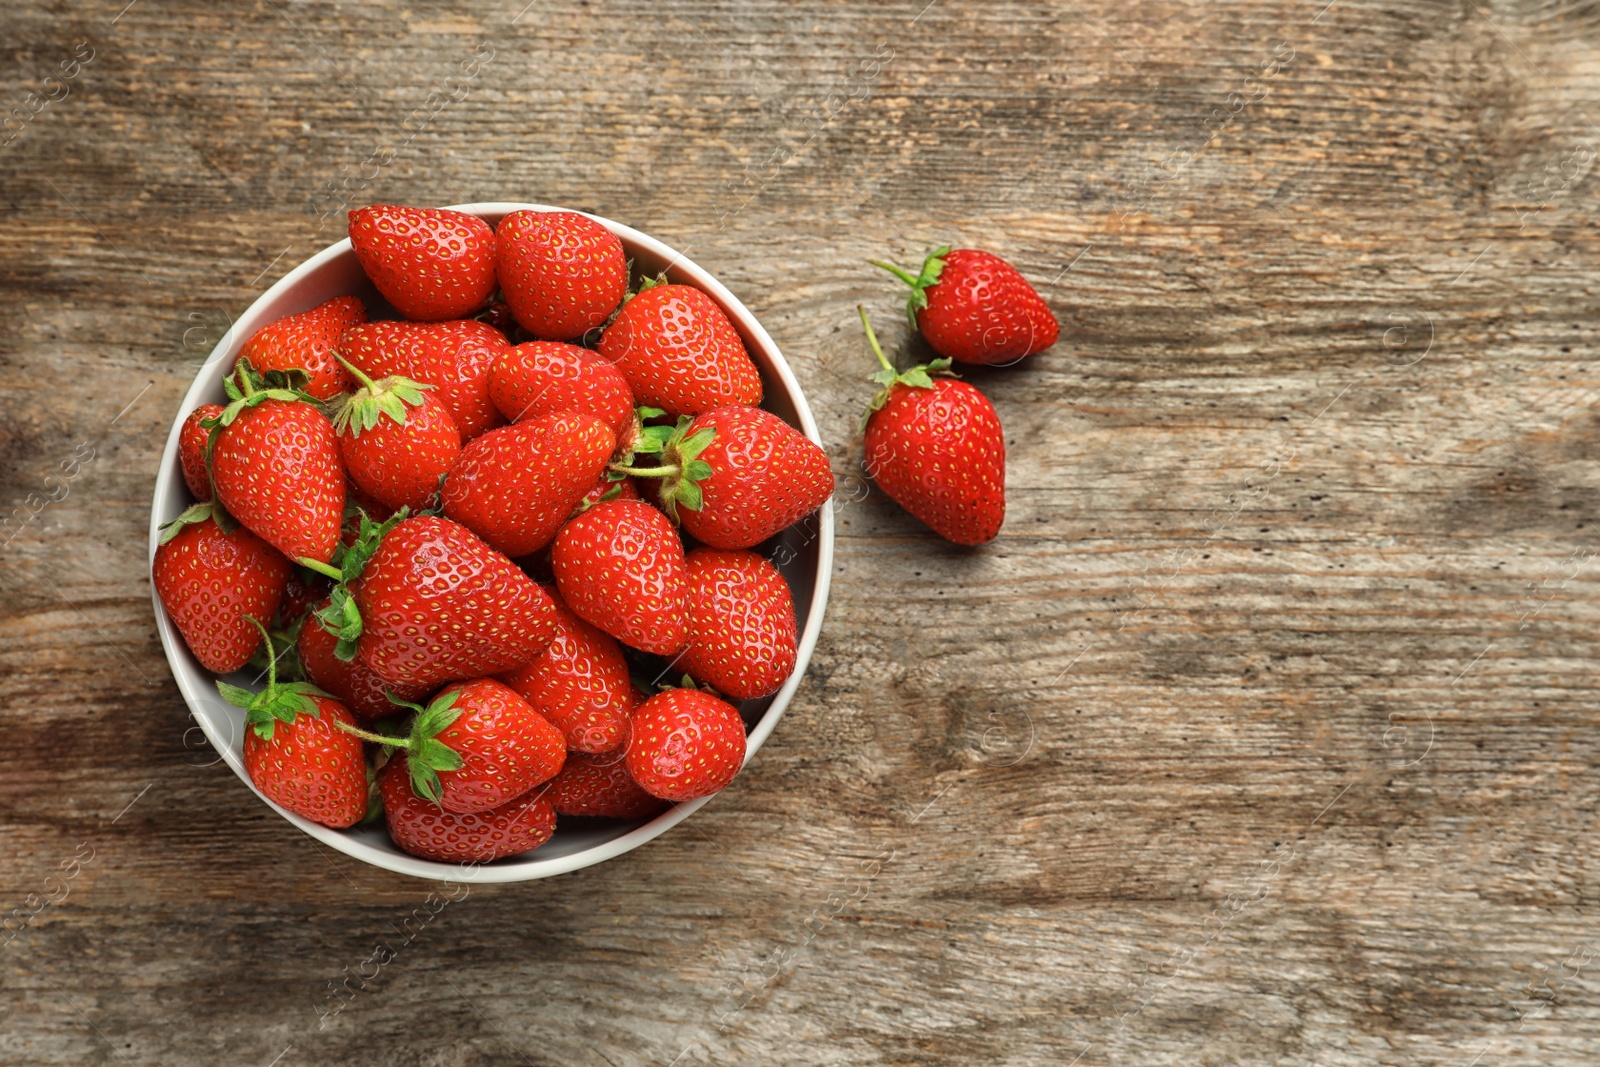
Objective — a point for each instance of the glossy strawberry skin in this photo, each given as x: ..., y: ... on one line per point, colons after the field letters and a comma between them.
x: 766, y: 476
x: 453, y: 357
x: 580, y: 683
x: 515, y: 486
x: 425, y: 830
x: 277, y: 470
x: 431, y: 264
x: 561, y: 272
x: 399, y: 465
x: 308, y: 341
x: 506, y: 747
x: 741, y: 624
x: 312, y: 767
x: 540, y: 378
x: 620, y: 567
x: 680, y: 353
x: 940, y: 454
x: 981, y: 310
x: 437, y: 605
x: 210, y: 582
x: 685, y: 744
x: 192, y: 451
x: 352, y: 682
x: 600, y: 787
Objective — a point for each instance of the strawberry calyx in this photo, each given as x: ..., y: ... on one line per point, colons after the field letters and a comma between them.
x: 340, y: 617
x: 932, y: 267
x: 681, y: 469
x: 918, y: 377
x: 361, y: 410
x: 194, y: 513
x: 426, y: 755
x: 274, y: 704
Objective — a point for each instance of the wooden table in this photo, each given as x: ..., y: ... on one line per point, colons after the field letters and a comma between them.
x: 1264, y: 734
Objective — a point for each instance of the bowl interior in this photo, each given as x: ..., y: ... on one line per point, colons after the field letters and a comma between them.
x: 803, y: 554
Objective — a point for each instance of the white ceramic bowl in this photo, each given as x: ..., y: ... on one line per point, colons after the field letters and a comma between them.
x: 806, y: 559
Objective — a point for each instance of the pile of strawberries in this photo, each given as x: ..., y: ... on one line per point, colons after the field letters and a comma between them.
x: 451, y: 554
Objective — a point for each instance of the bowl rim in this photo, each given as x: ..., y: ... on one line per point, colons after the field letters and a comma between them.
x: 511, y: 869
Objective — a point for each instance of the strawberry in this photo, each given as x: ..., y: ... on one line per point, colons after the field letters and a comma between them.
x: 426, y: 830
x: 561, y: 272
x: 607, y: 488
x: 423, y: 601
x: 685, y: 744
x: 620, y: 566
x: 741, y: 624
x: 192, y: 450
x: 213, y: 584
x: 352, y: 682
x: 430, y: 264
x: 275, y: 464
x: 580, y: 683
x: 735, y: 476
x: 515, y: 486
x: 543, y: 377
x: 600, y: 786
x: 395, y: 440
x: 298, y: 752
x: 974, y: 307
x: 304, y: 591
x: 679, y: 352
x: 935, y: 446
x: 453, y: 357
x: 307, y: 342
x: 477, y: 746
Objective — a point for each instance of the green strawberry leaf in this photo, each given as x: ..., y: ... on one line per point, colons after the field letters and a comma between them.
x: 193, y: 514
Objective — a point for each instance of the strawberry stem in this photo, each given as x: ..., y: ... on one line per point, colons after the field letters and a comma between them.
x: 872, y: 339
x: 321, y: 568
x: 904, y: 275
x: 355, y: 370
x: 393, y: 742
x: 646, y: 472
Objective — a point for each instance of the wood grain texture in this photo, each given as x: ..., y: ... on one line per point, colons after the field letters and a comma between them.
x: 1264, y: 734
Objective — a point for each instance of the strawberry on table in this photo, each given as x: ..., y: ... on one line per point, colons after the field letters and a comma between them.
x: 599, y: 786
x: 562, y: 273
x: 424, y: 829
x: 192, y: 450
x: 543, y: 377
x: 935, y: 446
x: 396, y: 440
x: 741, y: 624
x: 679, y: 352
x: 217, y: 586
x: 620, y: 566
x: 307, y: 342
x: 453, y: 357
x: 431, y: 264
x: 974, y: 307
x: 351, y: 681
x: 685, y: 744
x: 580, y: 683
x: 515, y: 486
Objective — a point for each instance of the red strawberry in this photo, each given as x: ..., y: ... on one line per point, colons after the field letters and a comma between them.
x: 430, y: 264
x: 364, y: 693
x: 600, y: 786
x: 426, y: 830
x: 307, y: 341
x: 453, y: 357
x: 935, y: 446
x: 303, y: 592
x: 620, y: 567
x: 192, y: 450
x: 542, y: 377
x: 685, y: 744
x: 213, y: 583
x: 298, y: 753
x: 435, y: 604
x: 561, y: 272
x: 479, y: 745
x: 275, y: 462
x: 515, y: 486
x: 974, y: 307
x: 741, y: 624
x: 680, y: 353
x: 736, y: 475
x: 580, y: 683
x: 395, y: 440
